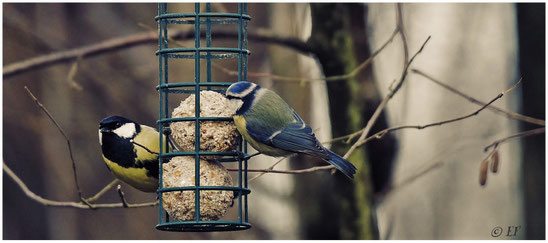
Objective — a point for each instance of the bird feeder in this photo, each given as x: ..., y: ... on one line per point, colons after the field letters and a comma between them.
x: 201, y: 218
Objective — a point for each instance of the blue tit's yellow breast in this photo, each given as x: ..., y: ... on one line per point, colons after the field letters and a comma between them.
x: 240, y: 123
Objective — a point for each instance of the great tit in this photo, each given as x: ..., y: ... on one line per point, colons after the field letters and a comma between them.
x: 123, y: 143
x: 273, y: 128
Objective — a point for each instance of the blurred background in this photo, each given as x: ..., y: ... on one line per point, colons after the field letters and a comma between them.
x: 411, y: 184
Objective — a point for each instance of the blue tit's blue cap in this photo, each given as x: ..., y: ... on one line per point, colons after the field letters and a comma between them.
x: 241, y: 88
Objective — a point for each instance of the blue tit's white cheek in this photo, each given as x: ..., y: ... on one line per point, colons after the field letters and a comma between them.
x: 126, y: 131
x: 234, y: 105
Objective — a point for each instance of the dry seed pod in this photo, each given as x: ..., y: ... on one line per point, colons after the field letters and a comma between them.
x: 495, y: 164
x: 483, y: 171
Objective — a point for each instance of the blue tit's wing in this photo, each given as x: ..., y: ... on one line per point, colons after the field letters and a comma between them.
x: 298, y: 137
x: 268, y: 116
x: 294, y: 136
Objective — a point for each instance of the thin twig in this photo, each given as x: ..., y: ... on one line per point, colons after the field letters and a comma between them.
x: 401, y: 30
x: 102, y: 191
x: 35, y: 197
x: 345, y: 137
x: 66, y: 138
x: 383, y: 103
x: 380, y: 134
x: 496, y: 143
x: 122, y: 196
x: 509, y: 114
x: 270, y: 168
x: 80, y: 205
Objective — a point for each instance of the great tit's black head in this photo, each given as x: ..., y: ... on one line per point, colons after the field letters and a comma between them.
x: 121, y: 126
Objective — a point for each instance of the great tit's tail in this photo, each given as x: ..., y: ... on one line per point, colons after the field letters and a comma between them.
x: 347, y: 168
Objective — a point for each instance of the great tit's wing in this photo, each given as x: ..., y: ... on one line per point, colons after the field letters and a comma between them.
x: 148, y: 138
x: 298, y: 137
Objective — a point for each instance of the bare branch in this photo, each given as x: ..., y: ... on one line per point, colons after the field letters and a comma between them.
x: 383, y: 103
x: 508, y: 114
x: 380, y: 134
x: 80, y: 205
x: 66, y: 138
x: 496, y: 143
x: 148, y: 37
x: 85, y: 51
x: 35, y: 197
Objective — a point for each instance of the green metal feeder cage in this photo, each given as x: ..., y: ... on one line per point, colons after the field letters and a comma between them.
x: 165, y: 88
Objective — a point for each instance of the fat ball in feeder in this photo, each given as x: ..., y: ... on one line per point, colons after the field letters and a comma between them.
x: 215, y: 136
x: 180, y: 205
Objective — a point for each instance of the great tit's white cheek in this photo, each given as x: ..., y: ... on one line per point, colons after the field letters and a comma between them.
x: 100, y: 138
x: 126, y: 131
x: 234, y: 105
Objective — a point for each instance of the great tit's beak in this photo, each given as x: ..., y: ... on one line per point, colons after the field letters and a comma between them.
x: 104, y: 130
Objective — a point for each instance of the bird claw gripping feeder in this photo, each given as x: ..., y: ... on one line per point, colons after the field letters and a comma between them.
x: 204, y: 185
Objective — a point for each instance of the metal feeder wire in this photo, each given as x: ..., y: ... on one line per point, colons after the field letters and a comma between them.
x: 164, y: 88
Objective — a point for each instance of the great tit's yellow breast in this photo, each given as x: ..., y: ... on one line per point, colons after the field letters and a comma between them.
x: 136, y: 177
x: 240, y: 123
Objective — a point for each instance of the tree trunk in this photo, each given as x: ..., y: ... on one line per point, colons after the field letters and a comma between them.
x: 332, y: 37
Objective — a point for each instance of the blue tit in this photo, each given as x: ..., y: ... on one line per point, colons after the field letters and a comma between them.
x: 122, y: 142
x: 273, y: 128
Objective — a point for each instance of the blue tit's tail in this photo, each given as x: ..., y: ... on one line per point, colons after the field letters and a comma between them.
x: 341, y: 164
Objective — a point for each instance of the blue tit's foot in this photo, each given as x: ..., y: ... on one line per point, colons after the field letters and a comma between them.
x: 252, y: 155
x: 241, y: 155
